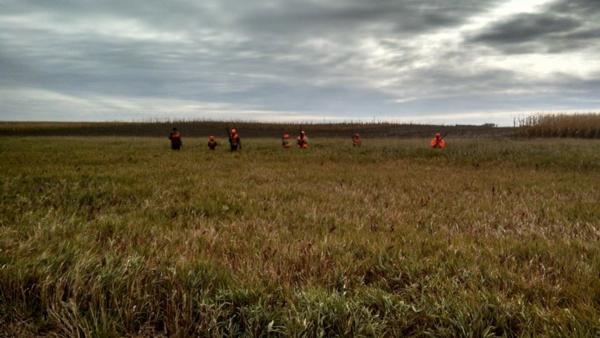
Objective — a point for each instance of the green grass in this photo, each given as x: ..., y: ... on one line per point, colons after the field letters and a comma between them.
x: 123, y: 237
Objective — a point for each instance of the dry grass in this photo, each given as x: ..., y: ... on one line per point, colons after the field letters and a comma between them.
x: 561, y: 125
x: 122, y: 237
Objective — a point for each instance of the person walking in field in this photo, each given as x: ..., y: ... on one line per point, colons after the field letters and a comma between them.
x: 285, y: 140
x: 356, y: 141
x: 212, y: 143
x: 175, y: 137
x: 438, y: 142
x: 302, y: 140
x: 234, y: 140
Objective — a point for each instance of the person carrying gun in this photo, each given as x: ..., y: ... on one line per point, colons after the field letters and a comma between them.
x: 285, y: 140
x: 234, y: 139
x: 175, y: 137
x: 438, y: 141
x: 356, y: 141
x: 302, y: 140
x: 212, y: 143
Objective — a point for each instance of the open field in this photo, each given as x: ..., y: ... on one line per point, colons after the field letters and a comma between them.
x: 123, y: 237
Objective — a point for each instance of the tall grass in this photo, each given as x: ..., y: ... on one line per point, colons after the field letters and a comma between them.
x: 110, y: 237
x: 561, y: 125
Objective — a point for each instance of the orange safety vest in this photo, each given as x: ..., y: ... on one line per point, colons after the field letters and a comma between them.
x: 303, y: 141
x: 176, y: 136
x: 356, y: 141
x: 438, y: 142
x: 212, y: 143
x: 235, y: 138
x: 285, y: 140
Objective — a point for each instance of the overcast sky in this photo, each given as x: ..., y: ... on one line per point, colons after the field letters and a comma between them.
x: 460, y: 61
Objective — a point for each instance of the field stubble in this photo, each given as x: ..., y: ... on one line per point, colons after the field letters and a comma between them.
x: 118, y: 236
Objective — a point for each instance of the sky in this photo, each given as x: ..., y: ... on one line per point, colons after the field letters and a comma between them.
x: 423, y: 61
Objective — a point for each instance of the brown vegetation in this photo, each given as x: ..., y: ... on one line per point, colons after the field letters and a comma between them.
x: 560, y: 125
x: 247, y: 129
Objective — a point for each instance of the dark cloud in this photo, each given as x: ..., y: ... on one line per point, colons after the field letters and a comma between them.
x: 527, y: 27
x: 581, y: 7
x: 584, y: 34
x: 302, y: 17
x: 563, y: 25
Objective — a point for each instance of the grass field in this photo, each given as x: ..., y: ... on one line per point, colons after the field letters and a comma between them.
x: 123, y: 237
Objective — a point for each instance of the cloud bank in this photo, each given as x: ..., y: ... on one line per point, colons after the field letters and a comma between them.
x: 465, y: 61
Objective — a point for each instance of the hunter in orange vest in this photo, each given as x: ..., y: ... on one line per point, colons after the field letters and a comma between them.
x: 175, y: 137
x: 212, y: 143
x: 302, y: 140
x: 356, y: 141
x: 285, y: 140
x: 234, y: 140
x: 438, y: 142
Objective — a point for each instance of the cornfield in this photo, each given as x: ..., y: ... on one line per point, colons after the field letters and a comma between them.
x: 560, y: 125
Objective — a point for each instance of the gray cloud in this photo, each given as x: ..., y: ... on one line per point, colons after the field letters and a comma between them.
x: 329, y: 59
x: 563, y: 25
x: 403, y: 17
x: 581, y: 7
x: 528, y: 27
